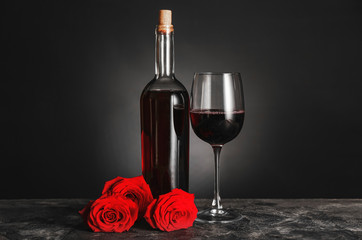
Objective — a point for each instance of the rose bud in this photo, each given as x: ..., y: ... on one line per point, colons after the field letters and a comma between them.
x: 172, y: 211
x: 134, y: 188
x: 113, y: 213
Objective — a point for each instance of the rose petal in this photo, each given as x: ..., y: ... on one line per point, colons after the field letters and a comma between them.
x: 85, y: 211
x: 108, y: 185
x: 149, y: 214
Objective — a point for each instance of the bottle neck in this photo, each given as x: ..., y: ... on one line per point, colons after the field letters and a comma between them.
x: 164, y: 55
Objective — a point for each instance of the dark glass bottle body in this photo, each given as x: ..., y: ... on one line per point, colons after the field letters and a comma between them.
x: 165, y: 124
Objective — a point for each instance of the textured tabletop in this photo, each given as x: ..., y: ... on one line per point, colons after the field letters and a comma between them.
x: 264, y: 219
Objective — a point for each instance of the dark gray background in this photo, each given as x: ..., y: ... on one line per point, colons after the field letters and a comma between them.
x: 73, y: 72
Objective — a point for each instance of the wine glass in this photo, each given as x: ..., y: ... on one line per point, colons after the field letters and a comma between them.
x: 217, y: 115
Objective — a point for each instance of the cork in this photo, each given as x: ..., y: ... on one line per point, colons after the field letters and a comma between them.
x: 165, y: 17
x: 165, y: 21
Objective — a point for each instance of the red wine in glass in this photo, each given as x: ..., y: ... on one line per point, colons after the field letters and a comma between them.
x: 217, y: 116
x: 216, y: 126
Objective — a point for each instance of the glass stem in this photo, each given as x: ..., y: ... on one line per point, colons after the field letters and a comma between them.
x: 216, y: 203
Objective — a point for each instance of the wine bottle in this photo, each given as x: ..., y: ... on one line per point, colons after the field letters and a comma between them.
x: 165, y: 119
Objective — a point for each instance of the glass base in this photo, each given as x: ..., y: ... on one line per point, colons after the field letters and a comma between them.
x: 218, y: 216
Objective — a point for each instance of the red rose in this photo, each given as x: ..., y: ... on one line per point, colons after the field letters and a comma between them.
x: 134, y: 188
x: 172, y: 211
x: 112, y: 213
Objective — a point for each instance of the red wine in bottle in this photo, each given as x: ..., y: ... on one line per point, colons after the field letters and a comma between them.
x: 165, y: 119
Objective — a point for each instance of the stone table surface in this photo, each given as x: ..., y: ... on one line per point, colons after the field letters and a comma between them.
x: 264, y: 219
